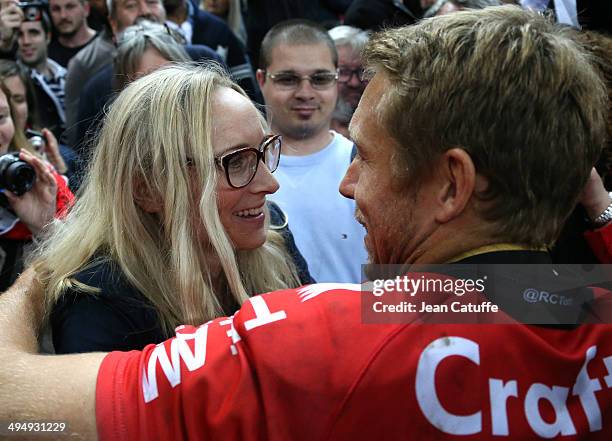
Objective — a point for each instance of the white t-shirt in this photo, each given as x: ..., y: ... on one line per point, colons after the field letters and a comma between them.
x: 320, y: 218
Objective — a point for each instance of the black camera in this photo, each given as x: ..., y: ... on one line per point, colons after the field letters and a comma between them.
x: 16, y: 175
x: 32, y: 11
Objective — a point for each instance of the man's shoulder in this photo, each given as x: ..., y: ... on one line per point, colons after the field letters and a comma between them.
x: 58, y: 70
x: 94, y: 52
x: 298, y: 304
x: 340, y: 140
x: 211, y: 28
x: 200, y: 52
x: 340, y: 147
x: 207, y: 19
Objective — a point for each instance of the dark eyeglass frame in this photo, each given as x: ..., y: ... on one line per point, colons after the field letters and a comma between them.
x: 223, y: 160
x: 333, y: 77
x: 360, y: 72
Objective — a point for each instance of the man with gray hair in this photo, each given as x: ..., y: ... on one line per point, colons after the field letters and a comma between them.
x: 349, y: 42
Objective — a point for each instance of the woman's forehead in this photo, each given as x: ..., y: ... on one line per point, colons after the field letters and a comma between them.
x: 235, y: 120
x: 226, y: 100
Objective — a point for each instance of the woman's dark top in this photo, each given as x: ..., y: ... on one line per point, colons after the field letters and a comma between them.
x: 119, y: 317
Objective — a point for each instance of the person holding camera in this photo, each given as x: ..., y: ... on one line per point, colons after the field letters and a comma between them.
x: 32, y: 193
x: 11, y: 16
x: 17, y: 80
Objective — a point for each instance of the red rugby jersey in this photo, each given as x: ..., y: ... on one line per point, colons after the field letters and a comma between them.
x: 600, y: 242
x: 300, y: 365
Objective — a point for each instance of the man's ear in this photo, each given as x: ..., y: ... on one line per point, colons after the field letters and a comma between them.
x: 261, y: 77
x: 457, y: 176
x: 144, y: 198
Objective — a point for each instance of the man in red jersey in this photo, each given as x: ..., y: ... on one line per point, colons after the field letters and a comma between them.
x: 474, y: 136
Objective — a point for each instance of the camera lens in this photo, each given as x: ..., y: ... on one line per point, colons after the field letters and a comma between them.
x: 16, y: 175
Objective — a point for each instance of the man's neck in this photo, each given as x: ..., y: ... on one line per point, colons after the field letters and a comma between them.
x: 445, y: 243
x: 180, y: 15
x: 80, y: 38
x: 308, y: 146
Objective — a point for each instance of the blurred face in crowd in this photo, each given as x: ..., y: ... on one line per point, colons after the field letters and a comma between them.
x: 241, y: 209
x: 68, y: 16
x: 393, y: 214
x: 350, y: 86
x: 33, y: 43
x: 217, y: 7
x: 19, y: 101
x: 128, y: 12
x: 303, y: 111
x: 98, y: 11
x: 7, y: 130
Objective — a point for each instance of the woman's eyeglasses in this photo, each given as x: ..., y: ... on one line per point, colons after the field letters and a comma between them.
x: 240, y: 166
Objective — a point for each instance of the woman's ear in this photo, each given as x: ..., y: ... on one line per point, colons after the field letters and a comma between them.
x: 145, y: 199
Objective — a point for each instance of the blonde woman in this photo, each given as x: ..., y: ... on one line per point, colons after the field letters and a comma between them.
x: 171, y: 226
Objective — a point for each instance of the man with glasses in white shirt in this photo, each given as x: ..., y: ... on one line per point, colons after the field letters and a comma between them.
x: 299, y: 80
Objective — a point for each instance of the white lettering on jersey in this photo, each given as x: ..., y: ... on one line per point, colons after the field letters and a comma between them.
x: 311, y: 291
x: 179, y: 350
x: 585, y: 389
x: 263, y: 314
x: 232, y: 333
x: 499, y: 392
x: 426, y: 385
x: 557, y: 396
x: 608, y: 378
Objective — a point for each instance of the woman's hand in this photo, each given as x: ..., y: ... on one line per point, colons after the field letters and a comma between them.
x: 51, y: 150
x: 36, y: 208
x: 594, y: 197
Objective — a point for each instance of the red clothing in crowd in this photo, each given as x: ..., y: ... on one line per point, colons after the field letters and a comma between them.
x: 600, y: 242
x: 301, y: 365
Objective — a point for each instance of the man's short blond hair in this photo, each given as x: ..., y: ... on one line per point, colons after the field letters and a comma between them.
x: 513, y: 90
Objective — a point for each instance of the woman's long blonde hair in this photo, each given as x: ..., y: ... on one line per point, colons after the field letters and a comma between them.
x: 157, y: 137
